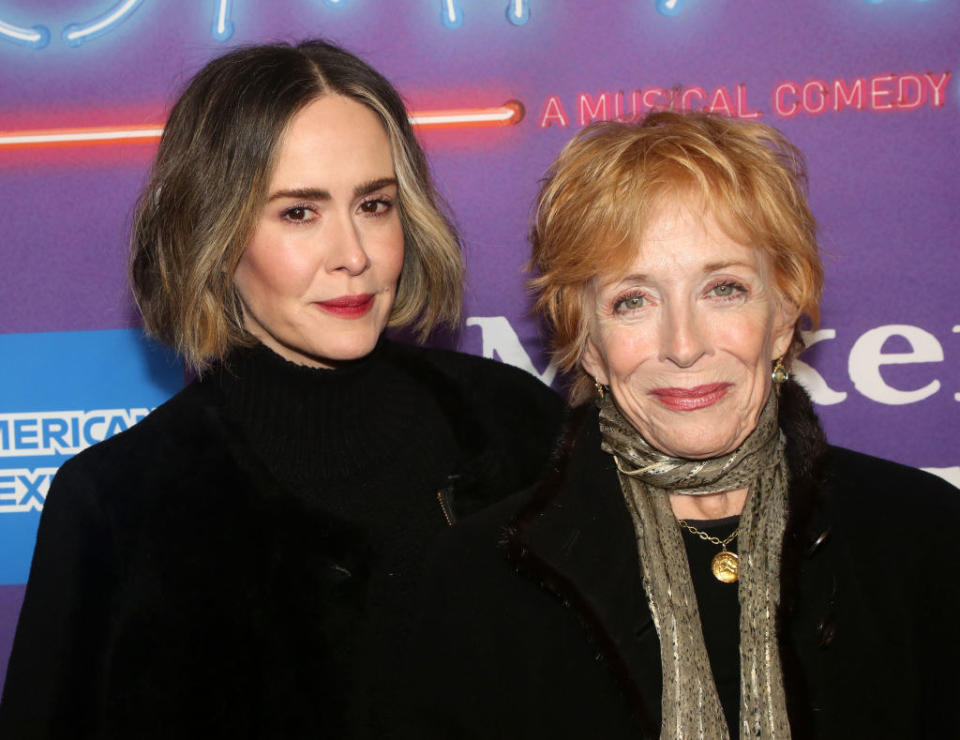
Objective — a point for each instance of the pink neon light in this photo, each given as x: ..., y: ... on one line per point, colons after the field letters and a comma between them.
x: 509, y: 113
x: 89, y: 135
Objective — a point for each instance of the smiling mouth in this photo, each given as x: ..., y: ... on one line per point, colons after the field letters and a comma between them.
x: 348, y: 306
x: 691, y: 399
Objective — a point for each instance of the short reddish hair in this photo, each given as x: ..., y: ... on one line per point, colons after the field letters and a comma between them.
x: 600, y: 193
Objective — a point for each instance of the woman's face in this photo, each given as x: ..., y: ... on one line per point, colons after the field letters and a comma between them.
x: 318, y: 278
x: 685, y: 338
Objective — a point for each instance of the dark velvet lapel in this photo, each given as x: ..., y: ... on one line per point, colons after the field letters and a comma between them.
x: 577, y: 539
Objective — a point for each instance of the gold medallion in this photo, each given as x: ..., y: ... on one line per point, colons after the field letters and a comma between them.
x: 725, y: 566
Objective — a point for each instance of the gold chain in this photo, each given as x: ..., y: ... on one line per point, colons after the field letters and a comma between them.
x: 709, y: 538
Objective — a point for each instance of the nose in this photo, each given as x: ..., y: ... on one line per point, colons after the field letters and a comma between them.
x: 684, y: 337
x: 345, y: 245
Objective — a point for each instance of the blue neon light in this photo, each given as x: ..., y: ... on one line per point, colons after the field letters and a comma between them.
x: 669, y: 7
x: 451, y: 13
x: 335, y: 3
x: 79, y: 33
x: 518, y: 12
x: 222, y: 25
x: 36, y: 37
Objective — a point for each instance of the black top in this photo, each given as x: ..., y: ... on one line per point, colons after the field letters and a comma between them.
x: 537, y: 622
x: 362, y: 442
x: 719, y: 612
x: 313, y: 425
x: 359, y: 442
x: 239, y: 563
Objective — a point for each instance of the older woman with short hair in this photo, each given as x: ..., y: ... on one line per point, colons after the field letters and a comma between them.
x: 699, y: 563
x: 241, y: 563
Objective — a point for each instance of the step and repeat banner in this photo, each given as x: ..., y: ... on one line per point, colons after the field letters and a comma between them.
x: 868, y: 89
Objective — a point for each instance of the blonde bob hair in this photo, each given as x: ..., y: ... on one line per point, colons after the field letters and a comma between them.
x: 599, y: 195
x: 209, y: 181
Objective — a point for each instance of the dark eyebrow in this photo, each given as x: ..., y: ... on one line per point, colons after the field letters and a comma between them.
x: 368, y: 187
x: 364, y: 188
x: 301, y: 194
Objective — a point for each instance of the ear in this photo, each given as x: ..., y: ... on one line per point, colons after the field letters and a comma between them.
x: 784, y: 321
x: 592, y: 361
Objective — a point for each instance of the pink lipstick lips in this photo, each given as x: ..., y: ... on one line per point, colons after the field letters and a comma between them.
x: 691, y: 399
x: 348, y: 306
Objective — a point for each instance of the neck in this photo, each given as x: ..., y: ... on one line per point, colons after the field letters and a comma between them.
x: 709, y: 506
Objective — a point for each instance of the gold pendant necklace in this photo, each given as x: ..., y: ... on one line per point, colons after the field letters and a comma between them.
x: 725, y: 564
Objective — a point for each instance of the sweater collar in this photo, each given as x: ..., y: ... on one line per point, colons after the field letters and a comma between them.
x: 331, y: 422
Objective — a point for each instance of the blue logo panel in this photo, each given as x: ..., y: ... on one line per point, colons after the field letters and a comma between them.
x: 61, y: 392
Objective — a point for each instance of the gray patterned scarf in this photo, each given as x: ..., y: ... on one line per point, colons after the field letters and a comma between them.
x: 691, y: 706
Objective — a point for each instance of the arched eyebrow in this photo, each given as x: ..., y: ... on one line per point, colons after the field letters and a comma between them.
x: 364, y: 188
x: 723, y: 265
x: 368, y: 187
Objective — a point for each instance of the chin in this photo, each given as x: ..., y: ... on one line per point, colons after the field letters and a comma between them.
x: 347, y: 351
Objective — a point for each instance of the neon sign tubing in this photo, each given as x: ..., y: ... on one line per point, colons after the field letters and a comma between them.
x: 669, y: 7
x: 36, y: 37
x: 222, y: 26
x: 510, y: 113
x: 77, y: 33
x: 503, y: 115
x: 518, y: 12
x: 79, y: 136
x: 451, y: 13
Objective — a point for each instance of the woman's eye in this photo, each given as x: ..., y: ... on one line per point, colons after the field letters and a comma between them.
x: 375, y: 206
x: 630, y: 303
x: 727, y: 290
x: 297, y: 214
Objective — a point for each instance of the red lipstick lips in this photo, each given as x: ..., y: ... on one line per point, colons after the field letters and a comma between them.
x: 691, y: 399
x: 348, y: 306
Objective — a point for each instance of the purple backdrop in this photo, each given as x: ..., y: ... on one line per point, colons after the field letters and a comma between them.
x: 866, y: 89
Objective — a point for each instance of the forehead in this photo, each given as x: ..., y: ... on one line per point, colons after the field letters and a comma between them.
x: 332, y: 137
x: 684, y: 238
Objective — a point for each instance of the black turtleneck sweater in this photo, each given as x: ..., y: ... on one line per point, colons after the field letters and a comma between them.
x: 241, y: 563
x: 366, y: 442
x: 369, y: 444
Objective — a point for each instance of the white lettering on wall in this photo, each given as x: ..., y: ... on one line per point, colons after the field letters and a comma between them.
x: 816, y: 386
x: 950, y: 475
x: 867, y: 357
x: 30, y: 434
x: 500, y: 340
x: 23, y: 489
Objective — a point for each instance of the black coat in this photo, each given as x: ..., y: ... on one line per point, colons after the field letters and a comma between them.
x: 537, y: 625
x: 179, y: 590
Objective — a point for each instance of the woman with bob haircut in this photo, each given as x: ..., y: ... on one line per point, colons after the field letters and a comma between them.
x: 698, y: 562
x: 240, y: 564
